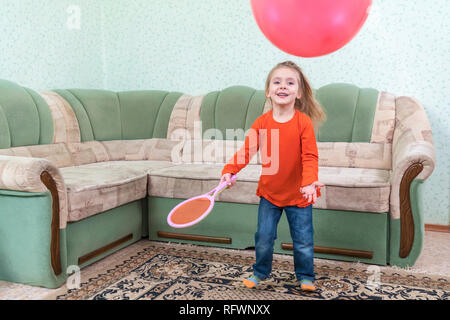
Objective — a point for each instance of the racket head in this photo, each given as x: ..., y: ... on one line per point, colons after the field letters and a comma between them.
x: 190, y: 211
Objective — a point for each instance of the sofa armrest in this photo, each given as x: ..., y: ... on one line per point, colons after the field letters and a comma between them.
x: 413, y: 157
x: 39, y: 175
x: 416, y: 160
x: 35, y: 175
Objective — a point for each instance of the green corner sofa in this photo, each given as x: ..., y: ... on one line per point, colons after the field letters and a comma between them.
x: 84, y: 173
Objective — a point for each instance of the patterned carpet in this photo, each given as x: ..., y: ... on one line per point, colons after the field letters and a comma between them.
x: 162, y: 271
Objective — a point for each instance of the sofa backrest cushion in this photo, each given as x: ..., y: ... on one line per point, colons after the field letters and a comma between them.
x: 358, y: 131
x: 146, y: 114
x: 129, y: 115
x: 350, y: 112
x: 98, y: 113
x: 233, y: 108
x: 25, y: 118
x: 359, y: 127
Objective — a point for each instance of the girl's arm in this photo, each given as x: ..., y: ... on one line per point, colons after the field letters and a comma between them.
x: 310, y: 186
x: 243, y: 156
x: 310, y: 154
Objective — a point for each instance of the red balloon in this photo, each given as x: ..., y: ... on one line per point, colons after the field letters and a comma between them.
x: 310, y: 28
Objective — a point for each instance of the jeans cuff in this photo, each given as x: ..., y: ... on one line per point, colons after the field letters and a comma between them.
x: 260, y: 276
x: 306, y: 278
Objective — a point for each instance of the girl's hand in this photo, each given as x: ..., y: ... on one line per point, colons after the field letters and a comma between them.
x: 227, y: 177
x: 310, y: 191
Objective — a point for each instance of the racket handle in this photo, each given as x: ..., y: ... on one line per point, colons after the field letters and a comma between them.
x: 222, y: 186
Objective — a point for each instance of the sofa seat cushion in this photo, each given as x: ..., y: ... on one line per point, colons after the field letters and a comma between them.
x: 94, y: 189
x: 189, y: 180
x: 352, y: 189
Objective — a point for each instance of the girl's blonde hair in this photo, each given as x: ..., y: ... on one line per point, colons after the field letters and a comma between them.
x: 307, y: 103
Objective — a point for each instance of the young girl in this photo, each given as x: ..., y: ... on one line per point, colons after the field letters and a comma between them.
x: 293, y: 187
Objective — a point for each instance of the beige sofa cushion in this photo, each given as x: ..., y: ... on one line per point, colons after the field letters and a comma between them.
x: 331, y: 154
x: 143, y: 166
x: 57, y: 153
x: 189, y: 180
x: 355, y: 155
x: 94, y: 189
x: 81, y: 153
x: 213, y: 151
x: 351, y: 189
x: 64, y: 119
x: 354, y: 189
x: 115, y: 150
x: 184, y: 123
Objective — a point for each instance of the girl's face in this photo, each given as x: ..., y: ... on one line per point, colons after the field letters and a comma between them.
x: 284, y: 87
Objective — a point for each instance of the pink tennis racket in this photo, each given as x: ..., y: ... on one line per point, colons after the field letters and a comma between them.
x: 194, y: 210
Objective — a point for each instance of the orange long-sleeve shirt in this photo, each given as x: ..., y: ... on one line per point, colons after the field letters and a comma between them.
x: 289, y: 158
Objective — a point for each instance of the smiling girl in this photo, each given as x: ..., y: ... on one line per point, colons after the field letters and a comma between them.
x: 294, y: 186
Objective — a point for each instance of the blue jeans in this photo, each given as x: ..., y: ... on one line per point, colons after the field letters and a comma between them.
x: 301, y: 228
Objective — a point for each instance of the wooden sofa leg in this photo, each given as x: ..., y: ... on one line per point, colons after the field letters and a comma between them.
x: 55, y: 254
x: 406, y: 216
